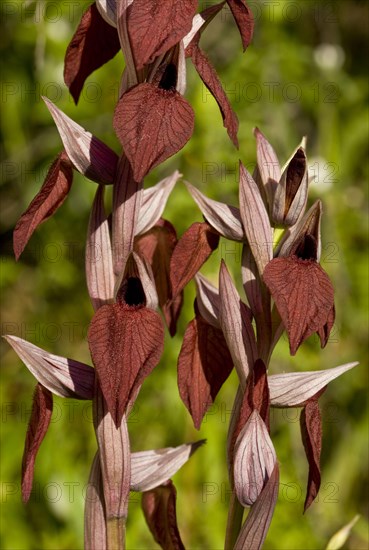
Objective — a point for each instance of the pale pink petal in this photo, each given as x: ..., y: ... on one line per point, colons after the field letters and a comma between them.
x: 258, y: 298
x: 153, y: 202
x: 99, y: 259
x: 151, y: 468
x: 181, y: 70
x: 268, y: 165
x: 235, y: 321
x: 63, y: 377
x: 90, y: 156
x: 208, y: 300
x: 147, y: 279
x: 255, y: 220
x: 255, y: 528
x: 254, y: 459
x: 223, y: 218
x: 155, y: 26
x: 127, y: 194
x: 95, y: 527
x: 122, y: 26
x: 115, y: 459
x: 292, y: 389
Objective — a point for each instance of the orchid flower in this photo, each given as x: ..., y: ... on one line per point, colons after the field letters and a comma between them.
x: 136, y: 265
x: 285, y: 270
x: 251, y: 456
x: 288, y: 273
x: 152, y: 119
x: 115, y: 470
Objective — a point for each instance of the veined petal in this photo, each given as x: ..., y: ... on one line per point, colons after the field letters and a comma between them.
x: 208, y: 300
x: 154, y: 26
x: 211, y: 80
x: 254, y: 460
x: 244, y: 20
x: 235, y: 320
x: 90, y: 156
x: 258, y: 298
x: 42, y: 409
x: 159, y: 507
x: 63, y: 377
x: 204, y: 364
x: 190, y: 253
x: 153, y: 202
x: 255, y: 528
x: 304, y: 296
x: 99, y: 259
x: 127, y: 195
x: 152, y: 124
x: 156, y: 246
x: 126, y: 342
x: 131, y: 77
x: 149, y: 469
x: 225, y: 219
x: 115, y: 459
x: 255, y: 220
x: 293, y: 389
x: 254, y: 398
x: 236, y: 423
x: 52, y: 194
x: 94, y: 43
x: 268, y: 166
x: 95, y: 526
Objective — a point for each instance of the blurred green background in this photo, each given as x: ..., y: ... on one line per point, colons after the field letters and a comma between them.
x: 304, y: 74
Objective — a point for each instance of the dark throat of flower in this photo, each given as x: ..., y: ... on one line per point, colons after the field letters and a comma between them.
x: 307, y: 248
x: 132, y: 292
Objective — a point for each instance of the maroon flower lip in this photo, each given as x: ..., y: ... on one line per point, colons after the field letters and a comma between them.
x: 94, y: 43
x: 152, y: 124
x: 304, y: 297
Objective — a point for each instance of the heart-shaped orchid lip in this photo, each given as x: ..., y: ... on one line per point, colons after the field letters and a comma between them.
x: 152, y: 124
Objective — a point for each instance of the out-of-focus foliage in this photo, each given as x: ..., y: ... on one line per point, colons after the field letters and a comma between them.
x: 304, y: 74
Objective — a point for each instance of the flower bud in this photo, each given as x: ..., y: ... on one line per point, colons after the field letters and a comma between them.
x: 291, y: 192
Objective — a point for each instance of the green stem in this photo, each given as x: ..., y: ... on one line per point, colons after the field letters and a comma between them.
x: 115, y: 533
x: 234, y: 523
